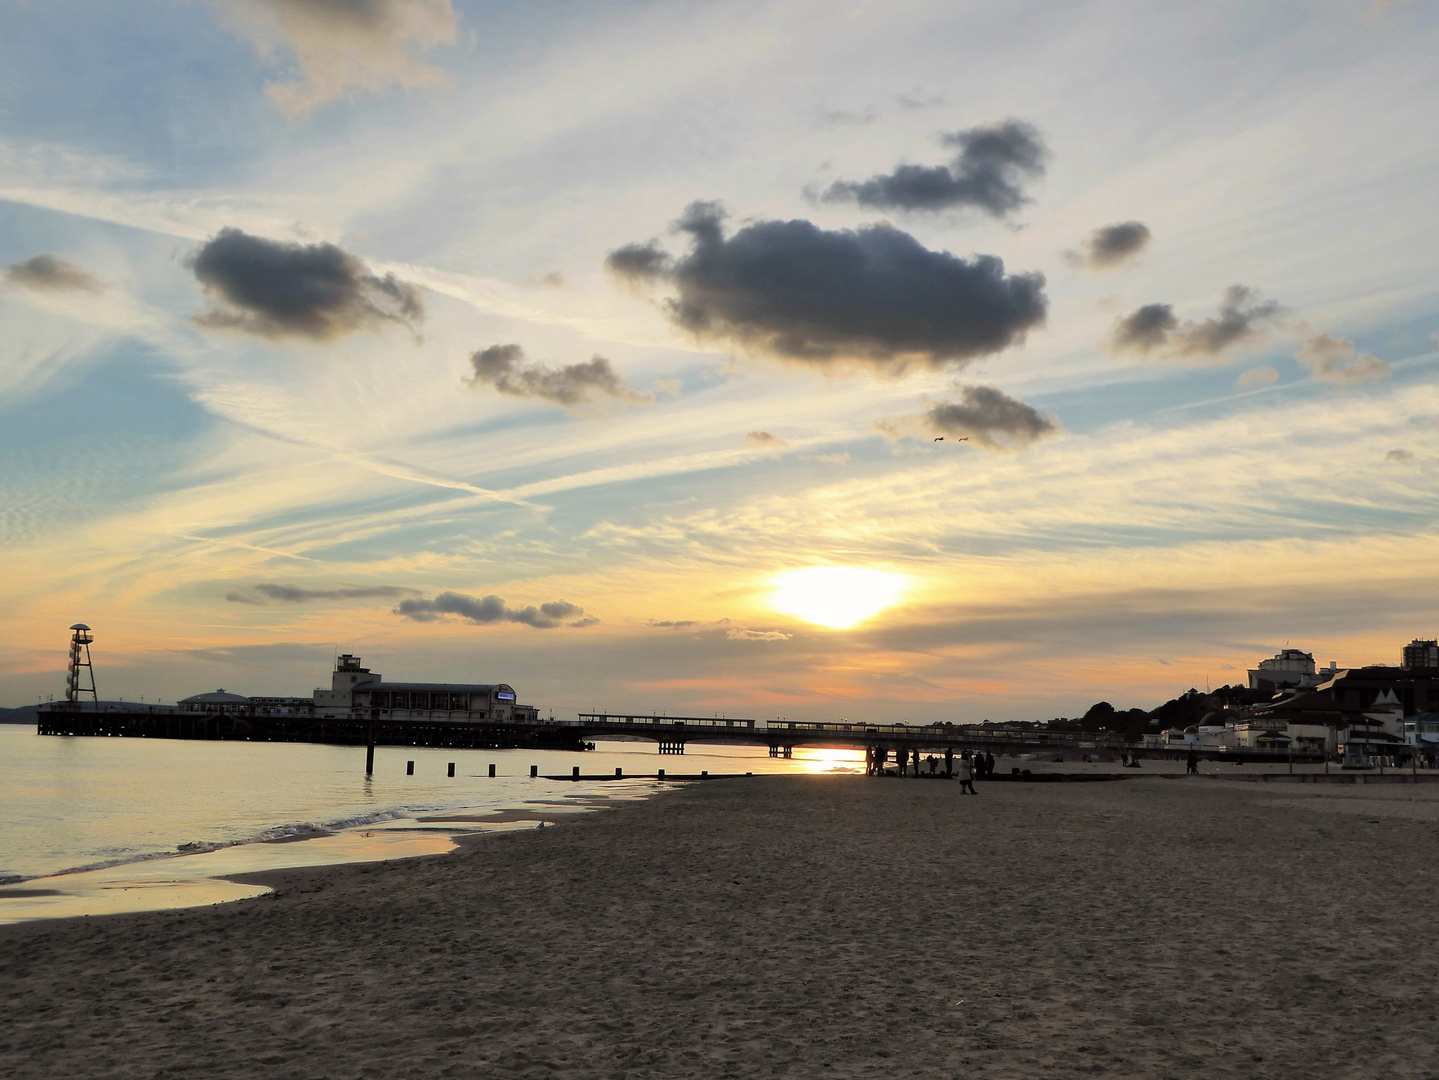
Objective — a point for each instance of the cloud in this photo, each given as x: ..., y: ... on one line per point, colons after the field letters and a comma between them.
x: 764, y: 438
x: 638, y: 262
x: 345, y: 47
x: 988, y: 173
x: 1400, y: 457
x: 672, y: 624
x: 275, y: 289
x: 738, y: 634
x: 290, y: 594
x: 875, y: 294
x: 1336, y: 360
x: 53, y: 274
x: 1260, y: 376
x: 492, y: 609
x: 1155, y: 329
x: 1113, y: 245
x: 991, y: 418
x: 504, y: 367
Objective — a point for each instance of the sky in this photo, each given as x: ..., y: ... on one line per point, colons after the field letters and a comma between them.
x: 920, y: 360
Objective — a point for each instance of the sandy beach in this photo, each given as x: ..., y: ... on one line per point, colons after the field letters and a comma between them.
x: 794, y: 926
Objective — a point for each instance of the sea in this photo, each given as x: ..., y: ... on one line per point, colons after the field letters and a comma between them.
x: 94, y: 826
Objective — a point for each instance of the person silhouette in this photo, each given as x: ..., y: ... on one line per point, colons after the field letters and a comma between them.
x: 966, y: 774
x: 1192, y: 763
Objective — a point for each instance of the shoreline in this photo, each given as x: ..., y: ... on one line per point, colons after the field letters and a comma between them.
x: 800, y: 926
x: 223, y: 873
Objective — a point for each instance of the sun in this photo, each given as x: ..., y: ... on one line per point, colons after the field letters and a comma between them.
x: 836, y: 596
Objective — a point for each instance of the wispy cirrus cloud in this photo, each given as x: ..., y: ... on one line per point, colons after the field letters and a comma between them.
x: 292, y: 594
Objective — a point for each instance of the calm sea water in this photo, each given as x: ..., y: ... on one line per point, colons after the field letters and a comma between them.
x: 122, y: 821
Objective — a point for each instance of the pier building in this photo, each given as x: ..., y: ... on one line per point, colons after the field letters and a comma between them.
x: 356, y: 690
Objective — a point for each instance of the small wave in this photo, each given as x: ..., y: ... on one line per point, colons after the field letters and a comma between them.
x: 200, y: 847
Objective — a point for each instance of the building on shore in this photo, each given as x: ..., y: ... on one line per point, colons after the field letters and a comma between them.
x: 1289, y: 668
x: 1420, y: 653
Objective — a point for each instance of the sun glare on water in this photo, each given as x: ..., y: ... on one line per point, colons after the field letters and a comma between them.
x: 835, y: 596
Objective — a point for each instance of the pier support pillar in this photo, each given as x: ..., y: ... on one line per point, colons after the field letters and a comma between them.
x: 370, y: 755
x: 409, y: 768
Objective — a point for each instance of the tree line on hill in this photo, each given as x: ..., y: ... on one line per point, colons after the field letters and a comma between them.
x: 1187, y: 710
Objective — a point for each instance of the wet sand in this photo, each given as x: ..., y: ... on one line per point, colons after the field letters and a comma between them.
x: 793, y: 926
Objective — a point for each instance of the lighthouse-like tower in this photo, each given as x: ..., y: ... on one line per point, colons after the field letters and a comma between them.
x: 80, y: 659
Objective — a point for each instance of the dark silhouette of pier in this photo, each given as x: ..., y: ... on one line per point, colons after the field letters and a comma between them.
x: 671, y: 734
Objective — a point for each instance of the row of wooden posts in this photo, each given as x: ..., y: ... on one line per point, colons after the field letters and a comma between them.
x: 534, y: 769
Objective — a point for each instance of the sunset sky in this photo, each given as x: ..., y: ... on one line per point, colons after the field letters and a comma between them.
x: 603, y: 349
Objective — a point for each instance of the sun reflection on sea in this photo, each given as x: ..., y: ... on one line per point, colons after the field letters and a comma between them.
x: 823, y: 760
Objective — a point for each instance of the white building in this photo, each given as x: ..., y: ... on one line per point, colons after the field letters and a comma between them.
x: 1289, y: 667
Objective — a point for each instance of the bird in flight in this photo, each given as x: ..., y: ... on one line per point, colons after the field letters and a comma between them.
x: 940, y: 438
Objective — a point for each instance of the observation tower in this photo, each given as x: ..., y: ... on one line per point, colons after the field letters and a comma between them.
x: 80, y: 658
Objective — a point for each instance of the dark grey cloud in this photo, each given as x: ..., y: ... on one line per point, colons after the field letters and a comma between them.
x: 290, y: 594
x: 991, y: 418
x: 492, y: 609
x: 792, y: 289
x: 988, y: 173
x: 52, y: 274
x: 275, y: 289
x: 1145, y: 329
x: 1400, y: 457
x: 638, y: 262
x: 1113, y: 245
x: 668, y: 624
x: 505, y: 368
x: 1155, y: 329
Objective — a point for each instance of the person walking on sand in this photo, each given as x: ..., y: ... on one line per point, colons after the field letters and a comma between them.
x: 966, y: 774
x: 989, y: 763
x: 1192, y: 763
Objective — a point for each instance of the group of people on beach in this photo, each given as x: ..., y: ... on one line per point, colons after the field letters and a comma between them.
x: 968, y: 767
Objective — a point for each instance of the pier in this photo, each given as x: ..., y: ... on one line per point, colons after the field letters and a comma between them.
x: 161, y: 723
x: 782, y: 736
x: 671, y: 734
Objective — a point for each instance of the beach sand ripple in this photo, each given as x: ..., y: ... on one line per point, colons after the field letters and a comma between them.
x: 788, y: 926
